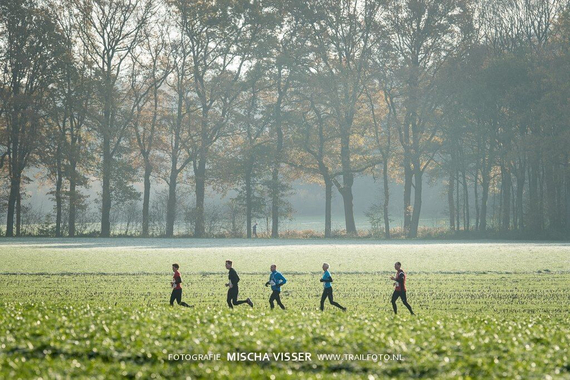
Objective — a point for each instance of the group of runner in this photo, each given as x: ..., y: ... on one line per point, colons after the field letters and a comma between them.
x: 277, y: 280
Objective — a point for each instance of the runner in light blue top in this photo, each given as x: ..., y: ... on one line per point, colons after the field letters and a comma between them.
x: 327, y: 279
x: 328, y: 291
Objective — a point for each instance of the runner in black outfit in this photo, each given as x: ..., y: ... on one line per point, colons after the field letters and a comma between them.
x: 400, y: 290
x: 233, y: 289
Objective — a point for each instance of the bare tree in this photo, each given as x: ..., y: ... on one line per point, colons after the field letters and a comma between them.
x: 317, y: 140
x: 344, y: 35
x: 68, y: 138
x: 220, y: 42
x: 382, y: 129
x: 178, y: 148
x: 30, y: 52
x: 155, y: 66
x: 110, y: 31
x: 423, y: 35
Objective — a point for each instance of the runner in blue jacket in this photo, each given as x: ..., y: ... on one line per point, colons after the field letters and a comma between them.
x: 276, y: 280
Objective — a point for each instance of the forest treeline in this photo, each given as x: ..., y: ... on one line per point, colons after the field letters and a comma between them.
x: 245, y: 96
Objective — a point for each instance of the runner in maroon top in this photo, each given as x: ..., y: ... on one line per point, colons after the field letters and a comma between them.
x: 400, y: 288
x: 176, y: 284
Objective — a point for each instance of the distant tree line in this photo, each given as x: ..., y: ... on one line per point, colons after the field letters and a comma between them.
x: 249, y: 95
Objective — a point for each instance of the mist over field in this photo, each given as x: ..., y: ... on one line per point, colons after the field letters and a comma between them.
x: 307, y: 204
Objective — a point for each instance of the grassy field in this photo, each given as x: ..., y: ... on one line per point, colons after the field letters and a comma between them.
x: 98, y: 308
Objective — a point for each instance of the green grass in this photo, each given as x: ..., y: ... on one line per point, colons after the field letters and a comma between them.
x: 95, y: 308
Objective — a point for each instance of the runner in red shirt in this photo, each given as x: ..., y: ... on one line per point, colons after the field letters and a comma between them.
x: 176, y: 284
x: 400, y: 288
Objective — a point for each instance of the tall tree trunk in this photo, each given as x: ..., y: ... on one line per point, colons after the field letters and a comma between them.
x: 463, y: 208
x: 411, y: 141
x: 541, y: 198
x: 275, y: 183
x: 476, y: 197
x: 408, y: 179
x: 506, y: 197
x: 171, y: 203
x: 174, y: 170
x: 347, y: 182
x: 347, y: 199
x: 484, y: 199
x: 450, y: 201
x: 466, y: 222
x: 58, y: 197
x: 457, y: 200
x: 275, y: 202
x: 146, y: 151
x: 15, y: 180
x: 551, y: 196
x: 514, y: 213
x: 493, y: 219
x: 234, y: 221
x: 146, y: 197
x: 72, y: 197
x: 567, y: 180
x: 19, y: 213
x: 533, y: 219
x: 107, y: 156
x: 328, y: 207
x: 386, y: 198
x: 499, y: 219
x: 520, y: 193
x: 248, y: 196
x: 560, y: 197
x: 12, y: 199
x: 486, y: 164
x: 200, y: 177
x: 418, y: 180
x: 106, y: 201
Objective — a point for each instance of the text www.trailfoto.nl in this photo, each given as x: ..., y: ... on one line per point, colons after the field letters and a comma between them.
x: 360, y: 357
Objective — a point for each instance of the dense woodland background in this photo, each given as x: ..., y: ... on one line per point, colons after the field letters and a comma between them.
x: 244, y: 97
